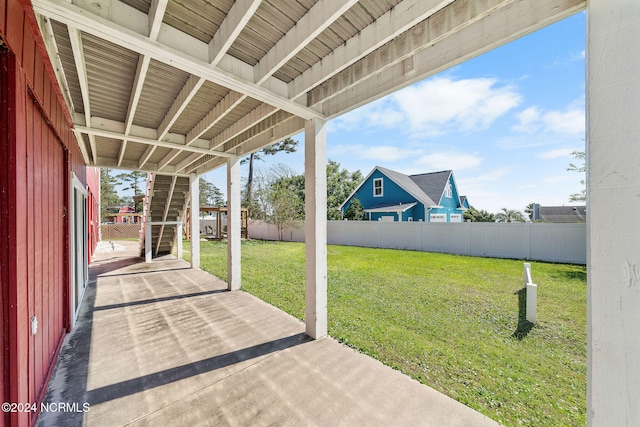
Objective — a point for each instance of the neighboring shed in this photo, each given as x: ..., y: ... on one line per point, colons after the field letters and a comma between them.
x: 560, y: 214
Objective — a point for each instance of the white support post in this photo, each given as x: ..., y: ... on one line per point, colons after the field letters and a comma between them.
x: 532, y: 294
x: 179, y: 237
x: 147, y: 240
x: 613, y: 189
x: 194, y: 187
x: 315, y: 155
x: 233, y: 224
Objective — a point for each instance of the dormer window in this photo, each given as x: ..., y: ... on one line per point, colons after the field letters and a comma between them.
x: 447, y: 190
x: 377, y: 188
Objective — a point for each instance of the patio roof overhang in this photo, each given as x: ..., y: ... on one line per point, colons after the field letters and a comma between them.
x: 177, y: 87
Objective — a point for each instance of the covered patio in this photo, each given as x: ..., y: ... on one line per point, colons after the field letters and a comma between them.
x: 181, y: 87
x: 164, y: 344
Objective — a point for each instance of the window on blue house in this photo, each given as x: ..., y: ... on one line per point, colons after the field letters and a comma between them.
x: 447, y: 190
x: 377, y: 187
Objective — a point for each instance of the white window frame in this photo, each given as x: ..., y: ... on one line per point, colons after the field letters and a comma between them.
x: 438, y: 217
x: 381, y: 181
x: 448, y: 193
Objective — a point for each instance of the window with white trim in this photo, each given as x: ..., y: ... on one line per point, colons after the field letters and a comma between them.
x: 447, y: 190
x: 377, y: 187
x: 434, y: 217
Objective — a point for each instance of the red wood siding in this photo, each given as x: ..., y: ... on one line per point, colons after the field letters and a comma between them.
x: 37, y: 153
x: 4, y: 224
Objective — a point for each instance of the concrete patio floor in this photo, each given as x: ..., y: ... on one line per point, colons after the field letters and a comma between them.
x: 165, y: 345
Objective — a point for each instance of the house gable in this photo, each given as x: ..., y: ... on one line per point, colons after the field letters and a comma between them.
x: 386, y: 194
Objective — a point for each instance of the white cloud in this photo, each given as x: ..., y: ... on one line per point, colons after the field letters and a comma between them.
x: 383, y: 153
x: 570, y: 121
x: 435, y: 107
x: 439, y: 105
x: 450, y: 160
x: 557, y: 153
x: 528, y: 120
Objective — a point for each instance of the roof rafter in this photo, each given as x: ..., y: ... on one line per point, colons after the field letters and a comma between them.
x: 404, y: 16
x: 135, y: 41
x: 81, y: 69
x: 250, y: 119
x: 231, y: 27
x: 444, y: 51
x: 314, y: 22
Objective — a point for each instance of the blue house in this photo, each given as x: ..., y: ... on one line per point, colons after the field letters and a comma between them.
x: 388, y: 195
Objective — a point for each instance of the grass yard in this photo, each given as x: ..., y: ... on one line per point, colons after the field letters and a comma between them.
x: 454, y: 323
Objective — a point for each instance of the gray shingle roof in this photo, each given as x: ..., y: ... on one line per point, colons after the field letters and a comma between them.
x: 432, y: 184
x: 411, y: 186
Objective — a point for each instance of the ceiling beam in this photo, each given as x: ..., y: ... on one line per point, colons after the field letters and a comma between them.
x: 147, y: 141
x: 222, y: 108
x: 189, y: 160
x: 229, y: 30
x: 188, y: 91
x: 83, y: 146
x: 314, y: 22
x: 54, y: 56
x: 494, y: 29
x: 231, y: 27
x: 164, y: 162
x: 210, y: 165
x: 428, y: 32
x: 81, y: 69
x: 130, y: 39
x: 156, y: 14
x: 103, y: 162
x: 267, y: 124
x: 401, y: 18
x: 147, y: 154
x: 287, y: 128
x: 250, y: 119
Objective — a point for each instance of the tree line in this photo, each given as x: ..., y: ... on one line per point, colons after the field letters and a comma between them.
x: 277, y: 195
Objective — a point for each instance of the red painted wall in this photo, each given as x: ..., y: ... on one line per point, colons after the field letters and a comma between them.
x: 37, y: 152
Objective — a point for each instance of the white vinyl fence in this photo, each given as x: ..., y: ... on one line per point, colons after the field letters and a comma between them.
x: 565, y: 243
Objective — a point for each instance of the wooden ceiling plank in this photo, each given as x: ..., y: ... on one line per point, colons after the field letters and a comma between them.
x: 398, y: 20
x: 314, y: 22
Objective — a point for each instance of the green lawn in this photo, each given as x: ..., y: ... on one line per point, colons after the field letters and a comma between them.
x: 451, y: 322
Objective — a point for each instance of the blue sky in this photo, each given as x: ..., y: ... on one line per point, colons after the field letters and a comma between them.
x: 505, y: 123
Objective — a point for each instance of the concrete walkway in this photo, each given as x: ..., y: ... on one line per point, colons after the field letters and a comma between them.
x: 161, y: 344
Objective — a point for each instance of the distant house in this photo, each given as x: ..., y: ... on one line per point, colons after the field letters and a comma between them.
x: 125, y: 215
x: 559, y: 214
x: 388, y: 195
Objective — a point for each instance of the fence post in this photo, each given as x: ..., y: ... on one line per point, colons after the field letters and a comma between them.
x: 532, y: 294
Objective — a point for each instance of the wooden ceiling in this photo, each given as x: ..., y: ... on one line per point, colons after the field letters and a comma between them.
x: 179, y: 86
